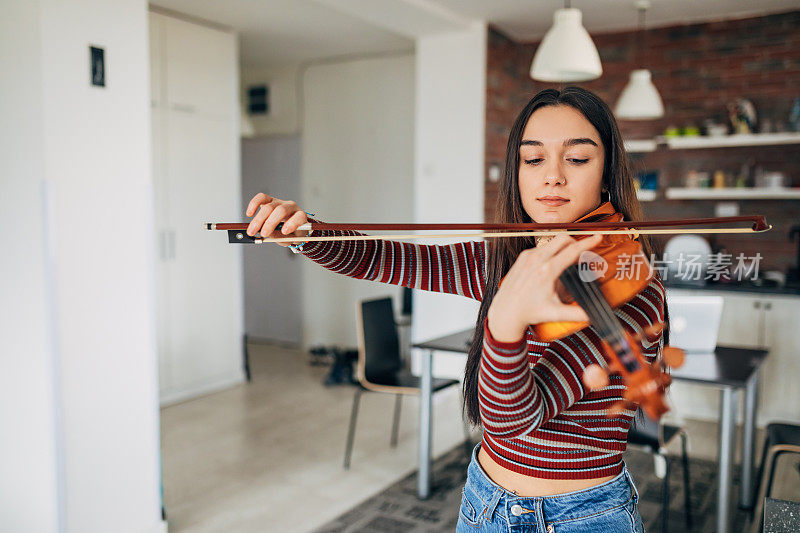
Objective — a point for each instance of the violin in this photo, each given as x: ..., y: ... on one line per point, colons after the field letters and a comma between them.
x: 593, y: 284
x: 606, y: 277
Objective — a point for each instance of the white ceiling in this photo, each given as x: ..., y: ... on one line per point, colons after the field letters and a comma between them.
x: 528, y: 20
x: 283, y: 32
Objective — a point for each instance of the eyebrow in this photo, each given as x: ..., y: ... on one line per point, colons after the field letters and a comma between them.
x: 567, y: 142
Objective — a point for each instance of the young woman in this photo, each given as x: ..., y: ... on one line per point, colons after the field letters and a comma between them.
x: 550, y: 459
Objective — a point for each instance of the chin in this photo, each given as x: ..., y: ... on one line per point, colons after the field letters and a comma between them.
x: 552, y: 215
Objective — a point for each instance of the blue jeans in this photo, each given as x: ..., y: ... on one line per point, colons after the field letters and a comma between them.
x: 610, y: 507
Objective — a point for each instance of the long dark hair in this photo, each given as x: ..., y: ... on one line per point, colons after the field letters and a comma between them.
x: 502, y: 252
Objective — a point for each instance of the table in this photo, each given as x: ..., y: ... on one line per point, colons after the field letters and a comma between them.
x: 729, y: 368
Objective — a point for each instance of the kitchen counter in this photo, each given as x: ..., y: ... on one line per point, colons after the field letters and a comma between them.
x: 757, y: 317
x: 786, y: 290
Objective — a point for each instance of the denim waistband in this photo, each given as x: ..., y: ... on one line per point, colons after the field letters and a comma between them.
x: 613, y: 493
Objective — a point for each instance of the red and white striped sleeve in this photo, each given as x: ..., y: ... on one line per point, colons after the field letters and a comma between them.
x: 453, y: 268
x: 645, y: 309
x: 516, y: 398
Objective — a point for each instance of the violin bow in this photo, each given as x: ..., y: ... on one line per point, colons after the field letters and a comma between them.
x: 237, y: 231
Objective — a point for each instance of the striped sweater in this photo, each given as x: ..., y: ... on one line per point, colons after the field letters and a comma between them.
x: 538, y: 418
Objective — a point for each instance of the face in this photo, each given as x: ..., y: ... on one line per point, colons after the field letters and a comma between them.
x: 560, y: 165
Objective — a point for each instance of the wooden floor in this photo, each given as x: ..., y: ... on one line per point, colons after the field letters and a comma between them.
x: 267, y: 456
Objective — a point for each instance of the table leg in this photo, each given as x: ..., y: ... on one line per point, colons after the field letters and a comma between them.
x: 727, y: 431
x: 426, y: 392
x: 749, y: 442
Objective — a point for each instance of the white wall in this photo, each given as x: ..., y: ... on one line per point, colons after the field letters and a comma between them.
x: 30, y: 490
x: 283, y: 118
x: 96, y: 358
x: 394, y: 140
x: 273, y: 279
x: 357, y: 165
x: 448, y: 170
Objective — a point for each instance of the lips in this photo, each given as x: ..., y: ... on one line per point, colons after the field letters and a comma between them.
x: 553, y: 201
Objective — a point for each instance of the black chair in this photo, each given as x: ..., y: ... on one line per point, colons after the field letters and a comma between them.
x: 380, y: 366
x: 654, y: 438
x: 781, y: 439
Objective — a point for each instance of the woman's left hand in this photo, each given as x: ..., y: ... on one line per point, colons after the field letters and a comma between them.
x: 529, y: 292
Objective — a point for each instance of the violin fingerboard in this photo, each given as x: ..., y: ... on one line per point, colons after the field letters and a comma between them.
x: 589, y: 296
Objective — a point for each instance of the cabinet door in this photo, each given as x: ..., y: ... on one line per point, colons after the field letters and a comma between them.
x: 205, y: 274
x: 159, y: 146
x: 741, y: 324
x: 157, y: 131
x: 780, y: 394
x: 742, y: 321
x: 201, y: 69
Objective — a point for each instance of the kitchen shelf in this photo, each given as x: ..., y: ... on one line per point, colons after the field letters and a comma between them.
x: 646, y: 195
x: 730, y: 193
x: 712, y: 141
x: 740, y: 139
x: 640, y: 145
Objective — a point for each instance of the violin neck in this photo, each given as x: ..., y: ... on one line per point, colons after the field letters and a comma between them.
x: 588, y: 295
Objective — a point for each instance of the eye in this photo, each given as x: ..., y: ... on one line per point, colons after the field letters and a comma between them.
x: 536, y: 161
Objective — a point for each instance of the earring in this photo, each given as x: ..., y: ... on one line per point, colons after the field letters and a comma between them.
x: 607, y: 195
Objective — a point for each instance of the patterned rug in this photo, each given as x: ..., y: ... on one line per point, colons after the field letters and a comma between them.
x: 397, y: 509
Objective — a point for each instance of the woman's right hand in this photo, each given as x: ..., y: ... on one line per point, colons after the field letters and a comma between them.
x: 269, y: 212
x: 529, y: 292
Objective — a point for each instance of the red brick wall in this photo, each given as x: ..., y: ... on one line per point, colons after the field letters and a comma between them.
x: 697, y: 69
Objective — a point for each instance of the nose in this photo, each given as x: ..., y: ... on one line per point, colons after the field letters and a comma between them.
x: 554, y: 174
x: 554, y: 179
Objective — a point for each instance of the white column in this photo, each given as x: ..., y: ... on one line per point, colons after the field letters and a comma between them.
x: 78, y: 361
x: 30, y: 491
x: 448, y: 172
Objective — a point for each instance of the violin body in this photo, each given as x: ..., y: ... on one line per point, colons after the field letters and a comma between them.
x: 611, y: 257
x: 607, y: 277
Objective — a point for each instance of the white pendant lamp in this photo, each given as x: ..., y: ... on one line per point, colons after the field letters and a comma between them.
x: 567, y: 52
x: 640, y: 99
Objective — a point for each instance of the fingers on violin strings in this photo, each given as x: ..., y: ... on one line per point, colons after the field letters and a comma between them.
x: 594, y: 377
x: 569, y: 313
x: 257, y: 200
x: 570, y: 254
